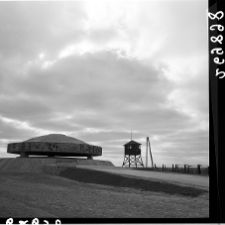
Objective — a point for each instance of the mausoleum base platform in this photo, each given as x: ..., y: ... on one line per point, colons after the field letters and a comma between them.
x: 45, y: 164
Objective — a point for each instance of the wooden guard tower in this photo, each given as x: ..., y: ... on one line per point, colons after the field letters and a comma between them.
x: 132, y: 154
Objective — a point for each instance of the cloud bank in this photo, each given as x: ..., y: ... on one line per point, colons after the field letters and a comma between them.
x: 97, y: 70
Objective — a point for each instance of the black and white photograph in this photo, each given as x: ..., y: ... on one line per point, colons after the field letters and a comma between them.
x: 104, y: 109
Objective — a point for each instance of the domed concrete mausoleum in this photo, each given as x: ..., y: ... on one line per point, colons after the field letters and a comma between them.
x: 54, y: 145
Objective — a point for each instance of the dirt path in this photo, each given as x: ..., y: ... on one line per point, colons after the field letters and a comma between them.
x: 42, y: 195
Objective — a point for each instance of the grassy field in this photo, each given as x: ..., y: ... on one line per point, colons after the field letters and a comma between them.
x: 122, y: 180
x: 41, y: 195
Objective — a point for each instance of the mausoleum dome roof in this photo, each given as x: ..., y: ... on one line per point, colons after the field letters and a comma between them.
x: 56, y: 138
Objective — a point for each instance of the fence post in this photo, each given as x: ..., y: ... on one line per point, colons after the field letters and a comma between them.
x: 184, y: 168
x: 188, y: 169
x: 172, y: 167
x: 199, y: 169
x: 208, y: 170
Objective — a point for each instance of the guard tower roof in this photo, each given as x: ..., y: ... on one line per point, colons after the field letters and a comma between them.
x: 132, y: 143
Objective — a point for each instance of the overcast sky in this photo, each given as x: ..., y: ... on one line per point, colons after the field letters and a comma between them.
x: 96, y: 70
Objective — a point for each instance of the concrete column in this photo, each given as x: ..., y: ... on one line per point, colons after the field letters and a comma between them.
x: 23, y: 155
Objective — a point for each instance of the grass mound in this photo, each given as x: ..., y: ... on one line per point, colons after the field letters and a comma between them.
x: 104, y: 178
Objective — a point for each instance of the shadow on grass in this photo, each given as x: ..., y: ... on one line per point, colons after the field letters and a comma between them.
x: 99, y: 177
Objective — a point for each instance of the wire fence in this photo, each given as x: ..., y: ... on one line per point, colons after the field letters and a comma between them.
x: 178, y: 168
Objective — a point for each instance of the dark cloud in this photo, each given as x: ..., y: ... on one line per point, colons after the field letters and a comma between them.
x: 101, y: 82
x: 24, y: 108
x: 111, y: 96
